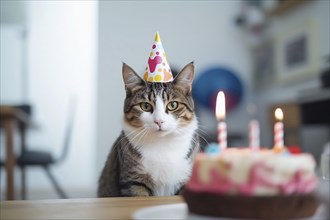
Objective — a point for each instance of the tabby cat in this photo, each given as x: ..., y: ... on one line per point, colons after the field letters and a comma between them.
x: 154, y: 153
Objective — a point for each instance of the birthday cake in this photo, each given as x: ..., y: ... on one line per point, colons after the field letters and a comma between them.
x: 246, y: 183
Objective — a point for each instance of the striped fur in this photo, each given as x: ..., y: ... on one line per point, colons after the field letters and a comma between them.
x: 154, y: 153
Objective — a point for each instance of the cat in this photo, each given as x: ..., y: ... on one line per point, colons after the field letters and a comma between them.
x: 154, y: 153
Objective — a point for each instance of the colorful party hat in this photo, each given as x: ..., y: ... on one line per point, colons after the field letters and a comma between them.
x: 158, y: 69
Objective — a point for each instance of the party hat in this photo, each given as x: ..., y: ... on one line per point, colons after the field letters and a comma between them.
x: 158, y: 69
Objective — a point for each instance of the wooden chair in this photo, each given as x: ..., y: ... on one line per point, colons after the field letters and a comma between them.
x: 44, y: 159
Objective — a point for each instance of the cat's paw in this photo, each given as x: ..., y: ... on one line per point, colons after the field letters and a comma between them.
x: 135, y: 190
x: 141, y: 192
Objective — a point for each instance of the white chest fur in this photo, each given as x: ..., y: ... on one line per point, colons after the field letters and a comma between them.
x: 165, y: 162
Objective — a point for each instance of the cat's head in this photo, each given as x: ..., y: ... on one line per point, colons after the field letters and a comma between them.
x: 159, y: 108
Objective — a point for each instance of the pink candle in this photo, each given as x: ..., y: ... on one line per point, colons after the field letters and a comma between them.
x: 254, y: 131
x: 220, y: 111
x: 278, y: 129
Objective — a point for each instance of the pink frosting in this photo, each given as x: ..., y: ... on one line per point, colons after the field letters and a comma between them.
x: 223, y: 185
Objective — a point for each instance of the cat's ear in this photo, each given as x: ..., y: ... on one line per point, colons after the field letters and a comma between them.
x: 131, y: 79
x: 185, y: 77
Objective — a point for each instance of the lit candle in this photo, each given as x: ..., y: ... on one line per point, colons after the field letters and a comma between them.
x: 278, y: 129
x: 220, y: 111
x: 254, y: 131
x: 254, y: 128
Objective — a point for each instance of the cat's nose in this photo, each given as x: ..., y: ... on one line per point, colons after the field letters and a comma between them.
x: 159, y: 122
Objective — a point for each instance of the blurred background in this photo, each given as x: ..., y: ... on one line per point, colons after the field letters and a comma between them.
x: 61, y: 82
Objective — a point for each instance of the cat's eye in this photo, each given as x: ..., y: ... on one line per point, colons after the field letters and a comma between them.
x: 145, y: 106
x: 172, y: 105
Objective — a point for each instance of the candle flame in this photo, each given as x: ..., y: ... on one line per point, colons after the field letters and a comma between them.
x: 279, y: 114
x: 220, y: 108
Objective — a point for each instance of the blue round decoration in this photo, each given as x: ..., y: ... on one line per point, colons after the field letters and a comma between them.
x: 212, y: 149
x: 210, y: 82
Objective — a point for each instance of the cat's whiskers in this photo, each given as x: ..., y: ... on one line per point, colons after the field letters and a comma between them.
x: 131, y: 133
x: 135, y: 134
x: 145, y: 133
x: 132, y: 140
x: 200, y: 128
x: 201, y: 136
x: 139, y: 137
x: 181, y: 132
x: 128, y: 135
x: 201, y: 131
x: 160, y: 133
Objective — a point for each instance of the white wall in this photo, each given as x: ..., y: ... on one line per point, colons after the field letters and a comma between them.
x: 200, y: 31
x: 62, y: 58
x: 11, y: 60
x: 61, y: 63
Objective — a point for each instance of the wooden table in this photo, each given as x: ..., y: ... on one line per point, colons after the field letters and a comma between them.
x: 12, y: 117
x: 110, y: 208
x: 97, y: 208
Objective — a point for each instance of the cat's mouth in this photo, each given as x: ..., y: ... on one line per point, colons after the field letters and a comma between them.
x: 163, y: 132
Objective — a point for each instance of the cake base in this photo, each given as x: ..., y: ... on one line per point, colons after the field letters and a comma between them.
x: 261, y: 207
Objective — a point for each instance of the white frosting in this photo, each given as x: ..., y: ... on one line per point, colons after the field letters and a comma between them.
x: 254, y: 172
